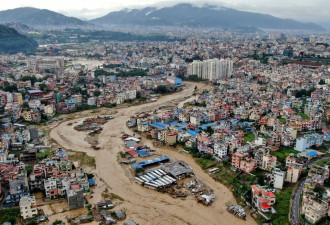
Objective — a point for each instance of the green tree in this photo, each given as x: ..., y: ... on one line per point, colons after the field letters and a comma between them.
x: 32, y: 222
x: 29, y: 169
x: 97, y: 93
x: 81, y: 80
x: 12, y: 76
x: 322, y: 82
x: 43, y: 87
x: 10, y: 87
x: 138, y: 94
x: 161, y: 89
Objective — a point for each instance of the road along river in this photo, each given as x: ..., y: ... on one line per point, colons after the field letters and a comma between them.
x: 143, y: 205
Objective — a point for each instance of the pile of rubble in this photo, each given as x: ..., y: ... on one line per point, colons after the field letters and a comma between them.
x: 238, y: 211
x: 94, y: 124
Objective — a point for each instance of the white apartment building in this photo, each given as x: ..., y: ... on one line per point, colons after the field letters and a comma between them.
x: 3, y: 156
x: 28, y: 207
x: 220, y: 149
x: 307, y: 141
x: 195, y: 119
x: 260, y: 141
x: 278, y: 177
x: 50, y: 185
x: 131, y: 94
x: 91, y: 101
x: 211, y: 69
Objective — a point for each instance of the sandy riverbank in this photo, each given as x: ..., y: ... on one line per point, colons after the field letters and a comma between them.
x: 143, y: 205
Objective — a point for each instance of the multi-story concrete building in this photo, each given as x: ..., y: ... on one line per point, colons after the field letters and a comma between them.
x: 293, y: 173
x: 278, y: 178
x: 243, y: 162
x: 268, y: 162
x: 78, y: 99
x: 262, y: 198
x: 211, y: 69
x: 220, y: 149
x: 28, y: 207
x: 307, y: 141
x: 313, y: 209
x: 50, y: 187
x: 75, y: 198
x: 170, y: 138
x: 54, y: 65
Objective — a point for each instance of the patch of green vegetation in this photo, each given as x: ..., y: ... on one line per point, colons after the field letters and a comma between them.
x: 323, y: 148
x: 282, y: 207
x: 282, y: 120
x: 112, y: 196
x: 83, y: 159
x: 239, y: 183
x: 57, y: 222
x: 122, y: 154
x: 46, y: 153
x: 303, y: 116
x: 9, y: 215
x: 16, y: 153
x: 248, y: 137
x: 323, y: 162
x: 29, y: 123
x: 284, y: 152
x: 206, y: 163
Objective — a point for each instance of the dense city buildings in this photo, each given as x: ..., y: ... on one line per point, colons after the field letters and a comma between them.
x: 249, y: 110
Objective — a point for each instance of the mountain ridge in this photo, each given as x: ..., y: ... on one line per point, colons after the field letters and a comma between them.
x: 211, y: 16
x: 38, y: 17
x: 12, y: 42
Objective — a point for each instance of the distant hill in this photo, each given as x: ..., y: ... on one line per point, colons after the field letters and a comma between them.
x: 12, y: 42
x: 21, y: 28
x: 38, y: 17
x: 206, y: 16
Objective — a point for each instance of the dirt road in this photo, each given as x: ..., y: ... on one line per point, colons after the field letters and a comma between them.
x: 143, y: 205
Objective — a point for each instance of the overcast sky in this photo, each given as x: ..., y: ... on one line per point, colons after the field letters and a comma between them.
x: 302, y: 10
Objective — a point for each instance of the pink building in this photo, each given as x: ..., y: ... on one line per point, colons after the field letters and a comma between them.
x: 243, y: 162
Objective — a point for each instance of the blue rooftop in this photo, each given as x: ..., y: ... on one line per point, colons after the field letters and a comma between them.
x: 192, y: 132
x: 63, y: 153
x: 142, y: 153
x: 50, y: 162
x: 176, y: 124
x: 142, y: 164
x: 91, y: 182
x: 205, y: 126
x: 144, y: 123
x: 312, y: 153
x: 159, y: 125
